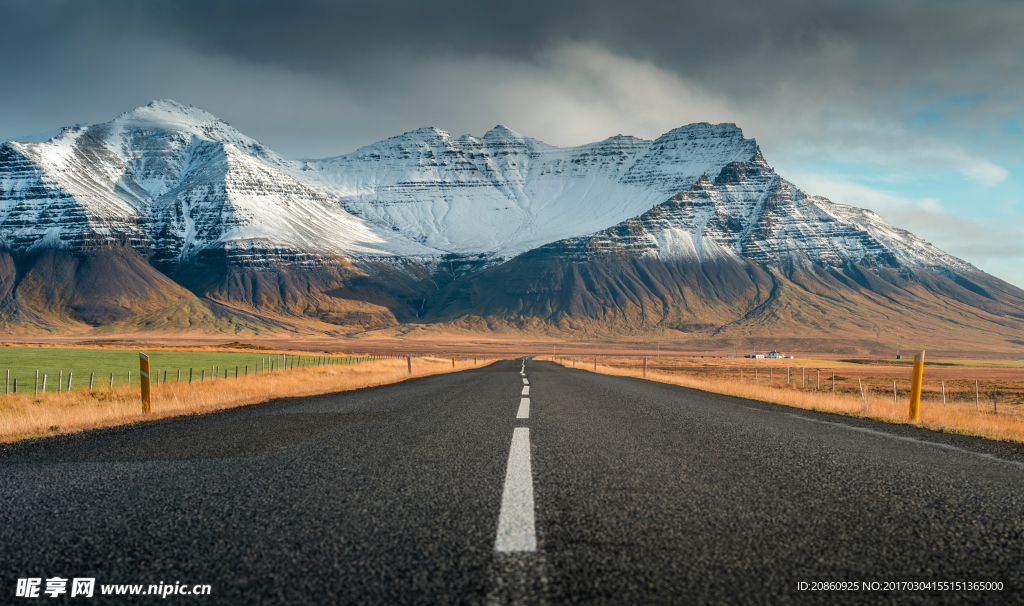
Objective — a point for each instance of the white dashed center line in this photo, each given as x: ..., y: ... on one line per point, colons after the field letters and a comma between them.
x: 516, y: 531
x: 526, y: 390
x: 525, y: 382
x: 524, y: 409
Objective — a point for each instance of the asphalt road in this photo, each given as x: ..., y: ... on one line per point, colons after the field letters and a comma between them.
x: 634, y: 493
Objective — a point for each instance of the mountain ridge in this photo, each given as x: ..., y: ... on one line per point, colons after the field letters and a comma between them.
x: 692, y: 233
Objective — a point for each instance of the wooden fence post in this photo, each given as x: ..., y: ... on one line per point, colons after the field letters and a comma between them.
x: 408, y: 363
x: 645, y: 367
x: 147, y: 402
x: 915, y: 388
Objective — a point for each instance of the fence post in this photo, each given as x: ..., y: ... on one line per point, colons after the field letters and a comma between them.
x: 787, y: 375
x: 236, y: 371
x: 408, y: 363
x: 861, y: 385
x: 202, y: 377
x: 35, y: 386
x: 70, y: 375
x: 915, y: 388
x: 189, y: 376
x: 894, y: 392
x: 44, y: 383
x: 645, y: 367
x: 7, y: 387
x: 129, y: 378
x: 91, y: 376
x: 977, y: 396
x: 943, y: 392
x: 817, y: 376
x: 147, y: 402
x: 595, y: 363
x: 60, y: 379
x: 111, y: 382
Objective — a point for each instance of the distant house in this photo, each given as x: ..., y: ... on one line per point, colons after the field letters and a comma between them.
x: 756, y: 354
x: 774, y: 354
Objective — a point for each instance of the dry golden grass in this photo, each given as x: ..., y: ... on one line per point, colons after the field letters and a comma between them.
x: 959, y: 417
x: 27, y: 416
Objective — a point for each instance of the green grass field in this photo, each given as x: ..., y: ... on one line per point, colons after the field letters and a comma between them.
x: 57, y: 363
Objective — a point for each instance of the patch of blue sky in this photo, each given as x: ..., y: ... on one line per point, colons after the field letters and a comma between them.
x: 957, y: 194
x: 1014, y: 127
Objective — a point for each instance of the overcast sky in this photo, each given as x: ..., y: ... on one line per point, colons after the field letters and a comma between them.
x: 913, y: 109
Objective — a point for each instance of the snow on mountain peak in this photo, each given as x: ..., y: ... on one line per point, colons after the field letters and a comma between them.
x: 422, y: 193
x: 502, y: 133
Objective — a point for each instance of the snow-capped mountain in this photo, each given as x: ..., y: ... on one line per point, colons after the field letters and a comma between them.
x: 749, y: 212
x: 175, y: 180
x: 502, y: 194
x: 171, y: 180
x: 169, y: 205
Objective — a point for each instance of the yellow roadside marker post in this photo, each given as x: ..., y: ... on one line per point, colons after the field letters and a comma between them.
x: 915, y: 388
x: 147, y: 403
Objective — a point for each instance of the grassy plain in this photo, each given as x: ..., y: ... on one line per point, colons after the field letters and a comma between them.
x: 58, y: 363
x: 24, y: 415
x: 963, y: 409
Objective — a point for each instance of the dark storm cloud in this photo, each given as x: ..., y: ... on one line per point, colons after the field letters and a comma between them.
x: 792, y: 61
x: 692, y: 38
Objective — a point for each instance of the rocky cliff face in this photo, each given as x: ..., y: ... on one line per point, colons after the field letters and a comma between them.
x: 747, y: 211
x: 693, y: 231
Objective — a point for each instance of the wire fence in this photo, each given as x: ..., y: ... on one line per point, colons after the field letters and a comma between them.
x: 957, y: 387
x: 76, y: 376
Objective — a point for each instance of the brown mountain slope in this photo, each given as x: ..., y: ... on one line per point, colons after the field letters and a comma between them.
x: 726, y: 299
